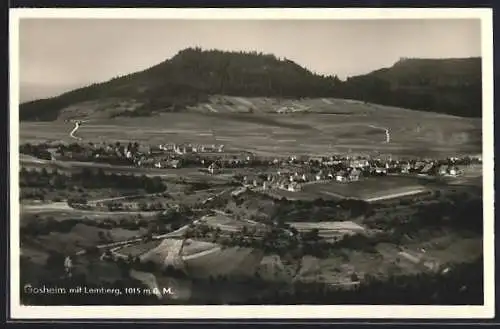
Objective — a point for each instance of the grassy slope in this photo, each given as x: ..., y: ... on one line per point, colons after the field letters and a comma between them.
x: 412, y: 132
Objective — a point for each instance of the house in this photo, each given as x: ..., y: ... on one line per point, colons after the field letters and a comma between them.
x: 294, y: 187
x: 282, y: 184
x: 340, y: 176
x: 146, y: 162
x: 453, y: 171
x: 443, y: 170
x: 178, y: 150
x: 358, y: 163
x: 427, y: 168
x: 175, y: 163
x: 405, y: 168
x: 167, y: 147
x: 354, y: 175
x: 478, y: 157
x: 238, y: 192
x: 419, y: 165
x: 213, y: 168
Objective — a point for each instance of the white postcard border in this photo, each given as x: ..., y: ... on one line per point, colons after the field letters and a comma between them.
x: 258, y: 312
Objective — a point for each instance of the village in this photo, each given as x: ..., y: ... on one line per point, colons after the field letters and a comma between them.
x: 290, y: 173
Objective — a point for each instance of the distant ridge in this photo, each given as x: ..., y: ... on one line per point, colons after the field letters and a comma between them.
x: 450, y: 86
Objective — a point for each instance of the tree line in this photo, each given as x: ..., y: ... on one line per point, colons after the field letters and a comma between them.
x: 90, y: 179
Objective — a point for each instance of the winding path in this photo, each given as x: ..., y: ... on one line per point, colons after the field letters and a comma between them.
x: 72, y: 133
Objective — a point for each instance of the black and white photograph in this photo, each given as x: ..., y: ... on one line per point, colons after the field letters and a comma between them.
x: 257, y: 163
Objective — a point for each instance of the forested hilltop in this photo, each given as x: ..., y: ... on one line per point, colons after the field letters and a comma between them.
x: 451, y: 86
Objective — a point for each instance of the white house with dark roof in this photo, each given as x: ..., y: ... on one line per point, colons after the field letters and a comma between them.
x: 405, y: 168
x: 427, y: 168
x: 443, y: 170
x: 214, y: 168
x: 175, y: 163
x: 453, y: 171
x: 355, y: 174
x: 294, y: 187
x: 341, y: 176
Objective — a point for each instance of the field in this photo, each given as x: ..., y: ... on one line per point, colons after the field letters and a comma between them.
x: 166, y: 253
x: 226, y: 223
x: 412, y: 132
x: 190, y: 174
x: 366, y: 189
x: 137, y: 249
x: 233, y: 261
x: 34, y: 253
x: 420, y: 254
x: 193, y: 247
x: 329, y: 229
x: 32, y: 193
x: 80, y: 237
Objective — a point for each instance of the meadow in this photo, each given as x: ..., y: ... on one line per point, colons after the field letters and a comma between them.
x: 137, y: 249
x: 370, y: 188
x: 271, y: 134
x: 227, y: 223
x: 329, y: 229
x: 232, y: 261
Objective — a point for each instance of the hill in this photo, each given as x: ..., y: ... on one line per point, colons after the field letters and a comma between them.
x: 195, y: 76
x: 449, y: 86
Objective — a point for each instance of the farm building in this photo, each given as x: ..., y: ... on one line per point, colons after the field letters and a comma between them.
x: 341, y: 176
x: 214, y: 168
x: 427, y: 168
x: 358, y: 163
x: 443, y: 169
x: 453, y: 171
x: 354, y: 175
x: 239, y: 191
x: 405, y: 168
x: 175, y: 164
x: 294, y: 187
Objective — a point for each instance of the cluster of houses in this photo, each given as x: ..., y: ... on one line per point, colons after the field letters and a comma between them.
x: 182, y: 149
x: 293, y: 181
x: 350, y: 170
x: 289, y: 173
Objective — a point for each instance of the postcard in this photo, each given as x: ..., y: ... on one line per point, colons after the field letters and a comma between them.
x: 251, y: 163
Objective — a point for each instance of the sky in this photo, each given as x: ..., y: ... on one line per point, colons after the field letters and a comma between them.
x: 57, y: 55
